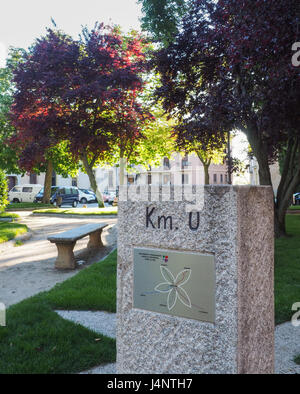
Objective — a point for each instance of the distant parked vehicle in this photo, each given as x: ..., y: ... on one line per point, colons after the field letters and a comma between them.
x: 108, y: 197
x: 115, y: 201
x: 66, y: 196
x: 24, y: 193
x: 296, y: 199
x: 40, y: 195
x: 86, y: 196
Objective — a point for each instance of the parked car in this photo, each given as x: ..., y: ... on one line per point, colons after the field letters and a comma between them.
x: 24, y: 193
x: 40, y: 195
x: 65, y: 196
x: 86, y: 196
x: 296, y: 199
x: 108, y: 197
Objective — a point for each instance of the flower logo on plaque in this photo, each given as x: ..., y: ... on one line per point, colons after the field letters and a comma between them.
x: 173, y: 287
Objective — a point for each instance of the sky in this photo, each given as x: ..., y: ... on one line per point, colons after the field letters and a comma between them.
x: 22, y: 21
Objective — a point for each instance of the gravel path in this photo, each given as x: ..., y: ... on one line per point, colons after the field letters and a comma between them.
x: 100, y: 322
x: 287, y: 346
x: 287, y: 339
x: 29, y: 269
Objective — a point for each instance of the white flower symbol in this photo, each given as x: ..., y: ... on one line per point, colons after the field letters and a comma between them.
x: 173, y: 286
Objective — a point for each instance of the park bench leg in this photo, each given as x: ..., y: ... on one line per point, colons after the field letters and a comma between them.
x: 95, y: 241
x: 65, y: 258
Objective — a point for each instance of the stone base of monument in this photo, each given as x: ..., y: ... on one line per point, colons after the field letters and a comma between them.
x: 195, y: 288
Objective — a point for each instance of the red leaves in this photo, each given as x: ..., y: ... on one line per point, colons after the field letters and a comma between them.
x: 82, y: 91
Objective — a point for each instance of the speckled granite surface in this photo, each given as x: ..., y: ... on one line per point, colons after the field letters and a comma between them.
x: 149, y: 342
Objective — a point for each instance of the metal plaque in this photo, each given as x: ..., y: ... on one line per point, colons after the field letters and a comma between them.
x: 176, y: 283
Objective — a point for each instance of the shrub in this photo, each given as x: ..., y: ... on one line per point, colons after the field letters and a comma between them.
x: 3, y: 191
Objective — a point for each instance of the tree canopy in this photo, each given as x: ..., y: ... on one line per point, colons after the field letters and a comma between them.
x: 230, y: 67
x: 82, y: 91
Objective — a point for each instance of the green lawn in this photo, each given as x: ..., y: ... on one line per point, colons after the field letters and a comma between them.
x: 294, y: 208
x: 79, y: 211
x: 93, y: 288
x: 10, y: 230
x: 9, y: 215
x: 287, y: 270
x: 37, y: 340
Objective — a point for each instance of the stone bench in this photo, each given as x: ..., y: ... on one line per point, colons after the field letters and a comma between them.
x: 66, y: 241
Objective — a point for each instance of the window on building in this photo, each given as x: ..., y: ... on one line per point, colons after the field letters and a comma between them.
x: 74, y: 181
x: 215, y: 178
x: 149, y: 180
x: 110, y: 179
x: 166, y: 179
x: 184, y: 161
x: 166, y: 163
x: 130, y: 179
x: 221, y: 178
x: 185, y: 179
x: 53, y: 183
x: 32, y: 179
x: 226, y: 179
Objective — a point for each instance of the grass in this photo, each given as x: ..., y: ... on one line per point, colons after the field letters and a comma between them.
x: 294, y: 208
x: 18, y: 243
x: 26, y: 205
x: 11, y: 230
x: 93, y: 288
x: 287, y: 270
x: 79, y: 211
x: 9, y: 215
x: 37, y: 340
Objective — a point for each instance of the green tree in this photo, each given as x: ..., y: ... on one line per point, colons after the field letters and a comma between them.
x: 8, y: 154
x: 162, y: 18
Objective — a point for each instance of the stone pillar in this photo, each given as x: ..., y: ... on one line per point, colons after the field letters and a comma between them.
x: 95, y: 241
x: 235, y: 229
x: 65, y: 258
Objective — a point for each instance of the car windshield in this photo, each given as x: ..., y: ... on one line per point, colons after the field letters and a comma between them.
x: 53, y: 190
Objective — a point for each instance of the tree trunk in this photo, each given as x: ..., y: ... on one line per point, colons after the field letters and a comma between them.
x: 122, y: 171
x: 290, y: 177
x: 206, y: 174
x: 206, y: 164
x: 48, y: 182
x: 90, y: 173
